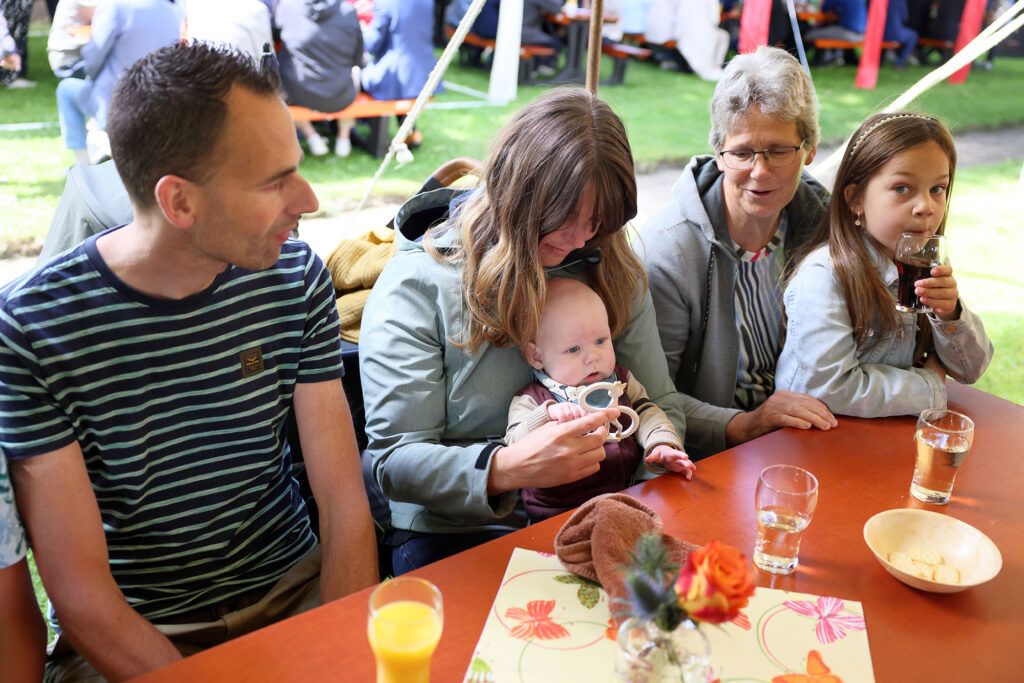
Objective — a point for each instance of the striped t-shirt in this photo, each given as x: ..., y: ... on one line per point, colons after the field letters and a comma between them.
x: 758, y: 303
x: 179, y: 408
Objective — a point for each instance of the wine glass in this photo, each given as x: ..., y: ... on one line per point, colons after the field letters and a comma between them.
x: 915, y: 256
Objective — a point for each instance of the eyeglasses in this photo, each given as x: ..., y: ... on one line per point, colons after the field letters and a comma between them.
x: 776, y: 157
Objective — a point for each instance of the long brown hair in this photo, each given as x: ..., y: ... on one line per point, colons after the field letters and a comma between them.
x: 541, y: 162
x: 879, y: 139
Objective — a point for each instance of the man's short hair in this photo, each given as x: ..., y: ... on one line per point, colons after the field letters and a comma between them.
x: 168, y: 110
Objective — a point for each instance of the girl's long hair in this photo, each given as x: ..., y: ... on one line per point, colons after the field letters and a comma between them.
x: 555, y: 148
x: 881, y: 137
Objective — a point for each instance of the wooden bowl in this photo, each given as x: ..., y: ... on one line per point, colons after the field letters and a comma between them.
x: 961, y: 545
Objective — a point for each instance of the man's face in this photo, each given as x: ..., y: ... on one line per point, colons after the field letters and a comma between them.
x: 255, y: 195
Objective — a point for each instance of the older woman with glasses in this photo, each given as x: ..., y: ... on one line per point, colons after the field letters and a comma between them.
x: 715, y: 256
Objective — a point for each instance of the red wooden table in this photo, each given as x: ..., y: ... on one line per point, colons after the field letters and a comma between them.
x: 863, y: 467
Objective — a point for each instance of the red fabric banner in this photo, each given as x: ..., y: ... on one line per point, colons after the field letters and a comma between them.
x: 871, y: 53
x: 970, y: 26
x: 754, y: 24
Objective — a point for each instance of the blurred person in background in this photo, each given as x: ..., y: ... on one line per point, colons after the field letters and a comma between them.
x: 123, y: 31
x: 321, y: 44
x: 364, y: 10
x: 852, y: 21
x: 64, y: 44
x: 10, y: 60
x: 693, y: 25
x: 401, y: 40
x: 17, y: 13
x: 896, y: 29
x: 241, y: 24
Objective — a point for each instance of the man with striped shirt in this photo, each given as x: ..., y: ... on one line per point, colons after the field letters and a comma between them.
x: 148, y: 373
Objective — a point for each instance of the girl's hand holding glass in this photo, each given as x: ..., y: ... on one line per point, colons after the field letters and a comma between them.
x: 939, y: 292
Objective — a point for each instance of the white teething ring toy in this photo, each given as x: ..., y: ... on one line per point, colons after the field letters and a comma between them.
x: 592, y: 400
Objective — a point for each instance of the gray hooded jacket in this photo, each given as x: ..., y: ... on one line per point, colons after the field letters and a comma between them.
x: 691, y: 267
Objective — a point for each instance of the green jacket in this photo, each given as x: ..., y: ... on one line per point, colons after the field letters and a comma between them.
x: 435, y: 413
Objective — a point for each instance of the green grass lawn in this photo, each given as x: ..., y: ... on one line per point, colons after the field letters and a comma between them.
x: 666, y: 114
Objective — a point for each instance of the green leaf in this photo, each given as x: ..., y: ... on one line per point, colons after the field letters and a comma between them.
x: 589, y: 595
x: 479, y: 672
x: 569, y: 578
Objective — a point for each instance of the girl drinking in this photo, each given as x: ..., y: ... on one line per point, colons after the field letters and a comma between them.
x: 846, y: 344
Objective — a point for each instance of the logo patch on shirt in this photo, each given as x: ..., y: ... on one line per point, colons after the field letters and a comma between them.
x: 252, y: 361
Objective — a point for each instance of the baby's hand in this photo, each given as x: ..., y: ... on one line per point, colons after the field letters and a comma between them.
x: 939, y: 292
x: 564, y: 412
x: 672, y: 459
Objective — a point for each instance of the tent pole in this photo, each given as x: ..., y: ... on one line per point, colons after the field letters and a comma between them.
x: 594, y: 46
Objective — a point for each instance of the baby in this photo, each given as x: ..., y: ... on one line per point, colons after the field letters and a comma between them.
x: 573, y: 349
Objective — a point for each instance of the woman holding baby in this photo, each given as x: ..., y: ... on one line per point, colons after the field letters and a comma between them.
x: 448, y: 320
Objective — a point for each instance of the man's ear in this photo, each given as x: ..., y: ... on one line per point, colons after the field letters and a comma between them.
x: 852, y: 198
x: 177, y: 199
x: 533, y: 356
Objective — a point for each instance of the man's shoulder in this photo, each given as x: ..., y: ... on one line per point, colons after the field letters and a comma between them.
x: 48, y: 280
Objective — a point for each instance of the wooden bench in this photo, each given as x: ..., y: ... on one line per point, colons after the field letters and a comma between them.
x: 641, y: 38
x: 834, y: 44
x: 377, y: 113
x: 529, y: 55
x: 937, y: 43
x: 945, y: 48
x: 622, y: 53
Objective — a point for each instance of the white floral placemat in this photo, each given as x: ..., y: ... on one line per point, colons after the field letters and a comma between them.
x: 549, y: 625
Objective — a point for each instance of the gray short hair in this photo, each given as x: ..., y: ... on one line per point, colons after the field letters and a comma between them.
x: 773, y: 80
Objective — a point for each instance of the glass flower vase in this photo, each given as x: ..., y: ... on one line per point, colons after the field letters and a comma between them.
x: 647, y: 654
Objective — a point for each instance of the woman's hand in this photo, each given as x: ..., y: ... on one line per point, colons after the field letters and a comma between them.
x: 782, y: 409
x: 552, y: 455
x: 939, y: 292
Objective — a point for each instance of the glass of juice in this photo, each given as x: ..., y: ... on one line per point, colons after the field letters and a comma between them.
x: 943, y: 440
x: 786, y: 496
x: 916, y: 254
x: 406, y: 616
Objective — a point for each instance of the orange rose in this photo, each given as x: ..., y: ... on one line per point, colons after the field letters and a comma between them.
x: 714, y: 584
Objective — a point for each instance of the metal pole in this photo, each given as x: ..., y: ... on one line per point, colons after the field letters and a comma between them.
x: 796, y: 35
x: 594, y: 46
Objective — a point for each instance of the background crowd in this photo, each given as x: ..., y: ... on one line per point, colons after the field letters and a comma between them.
x: 330, y: 50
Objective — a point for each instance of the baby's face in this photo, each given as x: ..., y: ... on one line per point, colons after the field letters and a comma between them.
x: 574, y: 344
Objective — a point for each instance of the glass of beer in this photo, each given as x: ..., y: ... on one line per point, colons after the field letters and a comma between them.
x: 785, y: 498
x: 943, y: 440
x: 915, y: 256
x: 404, y: 626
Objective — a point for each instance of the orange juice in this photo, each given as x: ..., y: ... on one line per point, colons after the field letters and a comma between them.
x: 403, y: 636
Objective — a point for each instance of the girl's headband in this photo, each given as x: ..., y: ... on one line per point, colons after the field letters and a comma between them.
x: 884, y: 121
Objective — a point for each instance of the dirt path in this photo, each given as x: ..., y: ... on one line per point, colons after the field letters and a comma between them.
x: 654, y: 189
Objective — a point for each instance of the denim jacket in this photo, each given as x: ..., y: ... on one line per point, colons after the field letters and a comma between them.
x: 821, y: 356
